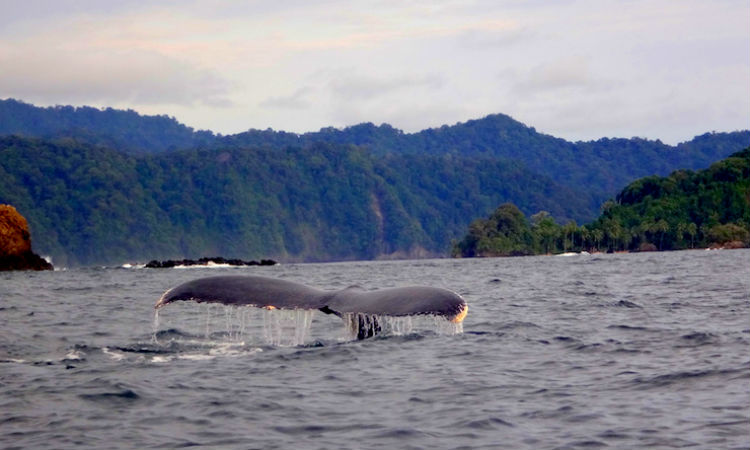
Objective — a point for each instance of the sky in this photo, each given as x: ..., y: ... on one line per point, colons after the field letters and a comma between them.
x: 580, y: 70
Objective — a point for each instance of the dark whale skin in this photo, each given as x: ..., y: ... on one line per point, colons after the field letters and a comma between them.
x: 272, y: 293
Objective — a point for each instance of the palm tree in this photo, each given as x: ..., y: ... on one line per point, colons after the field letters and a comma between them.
x: 597, y: 234
x: 692, y: 230
x: 661, y: 227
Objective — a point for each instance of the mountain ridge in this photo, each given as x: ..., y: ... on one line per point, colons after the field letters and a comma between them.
x: 40, y: 117
x: 361, y: 192
x: 599, y: 167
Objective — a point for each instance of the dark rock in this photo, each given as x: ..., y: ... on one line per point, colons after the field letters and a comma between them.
x: 24, y: 261
x: 206, y: 261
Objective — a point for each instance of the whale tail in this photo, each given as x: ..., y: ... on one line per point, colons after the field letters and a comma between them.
x: 361, y: 309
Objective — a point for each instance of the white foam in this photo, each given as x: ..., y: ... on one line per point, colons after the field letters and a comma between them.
x: 212, y: 350
x: 209, y: 265
x: 73, y: 355
x: 117, y: 356
x: 196, y: 356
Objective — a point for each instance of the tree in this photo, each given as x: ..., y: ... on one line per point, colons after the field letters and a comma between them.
x: 568, y: 231
x: 661, y: 227
x: 597, y: 234
x: 546, y: 231
x: 721, y: 234
x: 585, y: 237
x: 692, y: 231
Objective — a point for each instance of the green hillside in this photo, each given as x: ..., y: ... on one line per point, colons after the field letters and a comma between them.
x: 92, y: 205
x: 106, y: 185
x: 126, y: 131
x: 597, y: 168
x: 687, y: 209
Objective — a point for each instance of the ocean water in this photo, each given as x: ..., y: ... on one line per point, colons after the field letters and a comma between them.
x: 589, y: 351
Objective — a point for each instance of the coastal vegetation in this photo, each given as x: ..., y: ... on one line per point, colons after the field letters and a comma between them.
x: 687, y: 209
x: 102, y: 186
x: 92, y: 205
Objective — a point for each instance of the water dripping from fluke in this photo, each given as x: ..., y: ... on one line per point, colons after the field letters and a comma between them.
x: 363, y: 326
x: 221, y: 324
x: 287, y: 309
x: 155, y: 325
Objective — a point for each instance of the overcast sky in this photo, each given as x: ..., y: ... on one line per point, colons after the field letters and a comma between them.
x: 660, y: 69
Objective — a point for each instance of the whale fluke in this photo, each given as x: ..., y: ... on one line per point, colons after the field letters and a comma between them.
x: 352, y: 303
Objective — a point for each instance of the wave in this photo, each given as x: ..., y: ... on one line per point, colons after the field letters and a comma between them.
x: 668, y: 379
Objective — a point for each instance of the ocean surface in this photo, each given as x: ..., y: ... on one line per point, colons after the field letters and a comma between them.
x: 620, y: 351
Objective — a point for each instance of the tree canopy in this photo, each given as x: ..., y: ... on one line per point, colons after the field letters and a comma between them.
x: 92, y: 205
x: 105, y: 185
x: 686, y: 209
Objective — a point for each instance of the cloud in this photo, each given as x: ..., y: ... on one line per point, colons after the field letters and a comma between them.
x: 296, y: 100
x: 571, y: 68
x: 358, y: 87
x: 103, y: 63
x: 484, y: 37
x: 32, y: 11
x: 137, y: 77
x: 563, y: 73
x: 408, y: 102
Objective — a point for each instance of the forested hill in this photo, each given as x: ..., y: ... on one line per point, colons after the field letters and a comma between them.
x: 101, y: 186
x: 92, y: 205
x: 599, y: 168
x: 126, y: 131
x: 687, y: 209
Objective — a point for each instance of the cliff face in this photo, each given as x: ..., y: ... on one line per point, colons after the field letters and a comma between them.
x: 15, y: 243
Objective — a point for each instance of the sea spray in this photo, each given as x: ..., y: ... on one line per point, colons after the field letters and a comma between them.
x: 292, y: 327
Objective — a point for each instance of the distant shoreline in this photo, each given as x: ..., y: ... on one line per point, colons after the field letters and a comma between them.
x: 585, y: 253
x: 215, y: 261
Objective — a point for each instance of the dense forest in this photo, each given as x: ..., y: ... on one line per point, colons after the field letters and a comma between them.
x: 105, y: 185
x: 89, y: 204
x: 687, y: 209
x: 597, y: 169
x: 126, y: 131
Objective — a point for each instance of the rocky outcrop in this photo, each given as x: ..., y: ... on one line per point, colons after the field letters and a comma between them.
x: 207, y: 262
x: 15, y: 243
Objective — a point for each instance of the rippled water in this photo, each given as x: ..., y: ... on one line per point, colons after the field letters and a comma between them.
x: 623, y: 351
